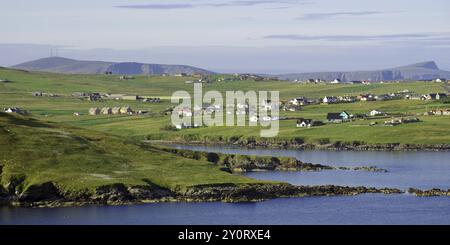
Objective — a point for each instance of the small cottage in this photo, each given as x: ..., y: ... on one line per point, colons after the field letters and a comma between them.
x: 375, y: 113
x: 115, y: 110
x: 126, y: 110
x: 106, y: 111
x: 94, y: 111
x: 13, y: 110
x: 338, y: 117
x: 304, y: 123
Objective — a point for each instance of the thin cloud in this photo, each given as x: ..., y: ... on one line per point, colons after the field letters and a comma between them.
x: 156, y: 6
x: 321, y: 16
x: 237, y: 3
x: 389, y: 37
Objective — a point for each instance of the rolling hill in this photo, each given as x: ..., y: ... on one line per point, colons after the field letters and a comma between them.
x: 71, y: 66
x: 420, y: 71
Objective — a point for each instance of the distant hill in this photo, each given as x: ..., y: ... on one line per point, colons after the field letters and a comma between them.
x: 420, y: 71
x: 70, y: 66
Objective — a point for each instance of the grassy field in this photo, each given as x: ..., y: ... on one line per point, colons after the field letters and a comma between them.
x: 432, y: 129
x: 81, y: 159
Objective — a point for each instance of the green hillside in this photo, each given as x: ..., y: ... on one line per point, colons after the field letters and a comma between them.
x: 78, y: 160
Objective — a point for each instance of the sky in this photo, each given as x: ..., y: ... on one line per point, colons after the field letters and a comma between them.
x: 263, y: 36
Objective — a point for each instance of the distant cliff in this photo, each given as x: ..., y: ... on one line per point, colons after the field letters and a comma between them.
x: 70, y: 66
x: 420, y: 71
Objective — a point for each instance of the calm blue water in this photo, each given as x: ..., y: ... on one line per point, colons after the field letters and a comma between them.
x: 406, y: 169
x: 422, y: 170
x: 363, y: 209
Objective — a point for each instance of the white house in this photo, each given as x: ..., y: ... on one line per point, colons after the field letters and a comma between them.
x: 375, y: 113
x: 304, y: 123
x: 330, y: 100
x: 336, y: 81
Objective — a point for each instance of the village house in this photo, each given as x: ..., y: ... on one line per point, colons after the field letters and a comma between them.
x: 94, y: 111
x: 37, y: 94
x: 126, y: 110
x: 106, y: 111
x: 384, y: 97
x: 94, y: 96
x: 126, y: 77
x: 299, y: 101
x: 338, y: 117
x: 115, y: 96
x: 115, y: 110
x: 434, y: 96
x: 304, y: 123
x: 330, y: 100
x: 130, y: 97
x: 347, y: 99
x: 376, y: 113
x: 398, y: 121
x: 185, y: 126
x: 440, y: 112
x: 393, y: 122
x: 366, y: 97
x: 336, y: 81
x: 14, y: 110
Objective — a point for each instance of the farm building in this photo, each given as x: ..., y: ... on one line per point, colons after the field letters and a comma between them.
x: 130, y: 97
x: 115, y: 96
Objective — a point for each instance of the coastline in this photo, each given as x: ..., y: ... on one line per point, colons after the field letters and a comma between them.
x: 286, y: 145
x: 119, y: 194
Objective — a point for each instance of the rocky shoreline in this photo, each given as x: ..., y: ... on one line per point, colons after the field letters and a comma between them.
x: 247, y: 163
x: 429, y: 193
x: 337, y: 146
x: 48, y: 195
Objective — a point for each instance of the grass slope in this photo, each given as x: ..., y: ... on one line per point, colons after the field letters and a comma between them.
x: 432, y: 129
x: 78, y: 159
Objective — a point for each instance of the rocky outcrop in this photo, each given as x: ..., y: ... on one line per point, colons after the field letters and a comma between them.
x: 43, y: 192
x: 364, y: 168
x: 259, y: 192
x: 429, y: 193
x: 48, y: 195
x: 248, y: 163
x: 119, y: 193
